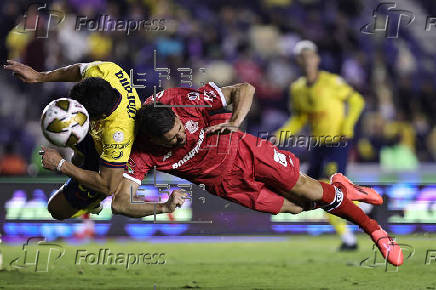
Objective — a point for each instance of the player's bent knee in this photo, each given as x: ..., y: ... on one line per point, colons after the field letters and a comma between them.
x: 55, y: 213
x: 118, y: 205
x: 116, y: 208
x: 59, y: 208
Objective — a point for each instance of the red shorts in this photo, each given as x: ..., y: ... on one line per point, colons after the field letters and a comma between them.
x: 259, y: 173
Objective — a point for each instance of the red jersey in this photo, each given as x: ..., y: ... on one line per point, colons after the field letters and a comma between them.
x: 204, y: 157
x: 238, y: 167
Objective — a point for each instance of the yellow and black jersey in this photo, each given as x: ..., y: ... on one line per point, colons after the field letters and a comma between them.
x: 114, y: 135
x: 330, y: 106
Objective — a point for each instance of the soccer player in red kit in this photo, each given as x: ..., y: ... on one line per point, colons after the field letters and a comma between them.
x: 176, y: 132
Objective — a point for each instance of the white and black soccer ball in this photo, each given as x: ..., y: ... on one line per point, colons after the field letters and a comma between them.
x: 65, y: 122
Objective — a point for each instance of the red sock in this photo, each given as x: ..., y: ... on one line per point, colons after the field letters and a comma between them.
x: 328, y: 192
x: 339, y: 205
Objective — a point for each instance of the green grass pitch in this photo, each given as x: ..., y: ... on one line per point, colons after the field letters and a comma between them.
x: 300, y: 262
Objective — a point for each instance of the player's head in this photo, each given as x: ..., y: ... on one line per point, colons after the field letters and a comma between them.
x: 161, y: 125
x: 96, y: 95
x: 306, y: 54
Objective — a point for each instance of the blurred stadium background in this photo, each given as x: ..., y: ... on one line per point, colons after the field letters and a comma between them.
x: 394, y: 147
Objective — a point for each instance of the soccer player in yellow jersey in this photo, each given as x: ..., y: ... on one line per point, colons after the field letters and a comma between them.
x: 104, y: 89
x: 331, y: 108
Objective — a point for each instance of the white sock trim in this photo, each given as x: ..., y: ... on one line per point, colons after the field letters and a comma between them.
x: 339, y: 198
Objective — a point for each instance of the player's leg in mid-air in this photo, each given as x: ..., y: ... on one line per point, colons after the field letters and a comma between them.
x: 59, y: 207
x: 337, y: 199
x: 72, y: 199
x: 279, y: 171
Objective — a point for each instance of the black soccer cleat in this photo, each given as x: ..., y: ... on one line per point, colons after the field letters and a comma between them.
x: 348, y: 248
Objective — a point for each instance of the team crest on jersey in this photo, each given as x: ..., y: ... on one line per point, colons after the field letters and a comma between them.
x: 192, y: 96
x: 280, y: 158
x: 191, y: 126
x: 118, y: 136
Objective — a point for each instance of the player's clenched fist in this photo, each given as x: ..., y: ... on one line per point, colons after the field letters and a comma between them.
x: 50, y: 158
x: 176, y: 199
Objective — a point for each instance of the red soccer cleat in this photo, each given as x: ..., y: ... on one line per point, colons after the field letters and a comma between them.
x: 357, y: 192
x: 390, y: 250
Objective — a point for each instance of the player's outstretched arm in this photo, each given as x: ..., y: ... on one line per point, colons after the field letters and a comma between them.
x: 105, y: 181
x: 126, y: 202
x: 240, y: 96
x: 70, y: 73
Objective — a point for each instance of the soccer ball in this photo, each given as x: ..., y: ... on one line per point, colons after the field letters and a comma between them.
x: 64, y: 122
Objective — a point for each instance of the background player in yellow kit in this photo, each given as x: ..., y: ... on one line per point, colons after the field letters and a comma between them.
x: 331, y: 107
x: 105, y: 90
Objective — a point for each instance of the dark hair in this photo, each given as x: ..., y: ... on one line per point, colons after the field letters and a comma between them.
x: 154, y: 121
x: 96, y: 95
